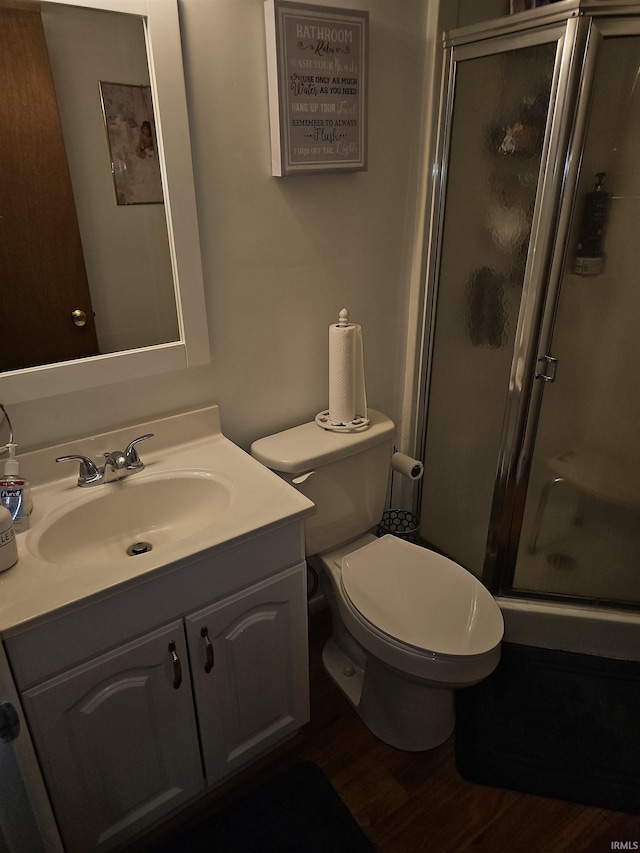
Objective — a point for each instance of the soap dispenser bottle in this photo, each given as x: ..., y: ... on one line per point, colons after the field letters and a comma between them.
x: 8, y: 547
x: 590, y: 249
x: 15, y: 492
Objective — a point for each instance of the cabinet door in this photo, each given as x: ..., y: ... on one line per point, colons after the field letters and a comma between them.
x: 250, y: 672
x: 117, y: 740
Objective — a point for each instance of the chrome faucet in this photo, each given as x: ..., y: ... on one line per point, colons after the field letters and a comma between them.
x: 118, y: 464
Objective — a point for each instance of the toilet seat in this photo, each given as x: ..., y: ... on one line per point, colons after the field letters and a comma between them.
x: 421, y: 599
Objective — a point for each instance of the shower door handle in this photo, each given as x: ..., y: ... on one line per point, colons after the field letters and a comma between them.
x: 548, y: 373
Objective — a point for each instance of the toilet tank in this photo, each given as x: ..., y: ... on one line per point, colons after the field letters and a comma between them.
x: 345, y: 474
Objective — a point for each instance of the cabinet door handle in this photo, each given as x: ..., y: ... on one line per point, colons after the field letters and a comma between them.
x: 208, y: 649
x: 177, y: 668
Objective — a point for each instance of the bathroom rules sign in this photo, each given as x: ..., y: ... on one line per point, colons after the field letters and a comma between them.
x: 317, y: 74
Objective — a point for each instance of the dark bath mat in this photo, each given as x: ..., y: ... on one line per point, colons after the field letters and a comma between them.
x: 295, y: 812
x: 556, y: 724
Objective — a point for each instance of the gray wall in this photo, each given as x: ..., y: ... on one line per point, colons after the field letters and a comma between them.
x: 281, y: 255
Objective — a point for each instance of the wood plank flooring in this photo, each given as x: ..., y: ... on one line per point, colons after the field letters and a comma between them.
x: 417, y: 802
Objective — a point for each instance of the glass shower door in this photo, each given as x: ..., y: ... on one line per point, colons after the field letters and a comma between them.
x: 497, y: 156
x: 580, y: 533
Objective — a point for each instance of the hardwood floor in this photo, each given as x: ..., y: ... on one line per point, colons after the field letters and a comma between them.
x: 417, y: 802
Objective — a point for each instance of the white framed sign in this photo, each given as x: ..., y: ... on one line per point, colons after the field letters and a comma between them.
x: 317, y: 72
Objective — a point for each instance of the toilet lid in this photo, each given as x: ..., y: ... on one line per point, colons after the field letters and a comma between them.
x: 421, y: 598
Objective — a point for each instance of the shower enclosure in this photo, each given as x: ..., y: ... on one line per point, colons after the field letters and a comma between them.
x: 531, y: 376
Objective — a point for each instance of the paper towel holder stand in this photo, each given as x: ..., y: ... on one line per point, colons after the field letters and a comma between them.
x: 323, y: 420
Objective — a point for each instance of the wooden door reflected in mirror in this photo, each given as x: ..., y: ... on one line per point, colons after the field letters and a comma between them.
x: 43, y: 271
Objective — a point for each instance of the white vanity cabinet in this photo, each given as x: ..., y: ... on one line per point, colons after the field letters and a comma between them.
x: 249, y: 669
x: 117, y: 741
x: 141, y: 712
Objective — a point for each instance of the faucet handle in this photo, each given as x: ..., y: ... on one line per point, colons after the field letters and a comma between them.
x: 88, y: 472
x: 133, y: 460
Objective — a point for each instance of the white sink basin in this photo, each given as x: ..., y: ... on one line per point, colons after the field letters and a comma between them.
x: 198, y: 494
x: 123, y: 520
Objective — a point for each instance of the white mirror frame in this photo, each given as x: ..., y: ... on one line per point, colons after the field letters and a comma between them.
x: 164, y: 54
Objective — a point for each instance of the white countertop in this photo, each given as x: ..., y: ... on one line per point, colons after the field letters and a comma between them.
x: 34, y: 589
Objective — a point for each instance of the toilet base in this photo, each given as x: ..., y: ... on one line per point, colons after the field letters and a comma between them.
x: 403, y: 713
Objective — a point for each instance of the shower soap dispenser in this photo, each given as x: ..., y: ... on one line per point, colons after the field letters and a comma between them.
x: 590, y: 253
x: 15, y: 492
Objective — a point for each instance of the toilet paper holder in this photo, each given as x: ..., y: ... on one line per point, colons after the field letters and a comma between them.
x: 407, y: 466
x: 402, y: 522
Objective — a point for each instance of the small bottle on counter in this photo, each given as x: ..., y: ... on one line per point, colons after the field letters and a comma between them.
x: 8, y: 546
x: 15, y: 492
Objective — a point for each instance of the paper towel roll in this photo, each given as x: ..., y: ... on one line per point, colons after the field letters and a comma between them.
x: 403, y: 464
x: 347, y: 394
x: 342, y: 373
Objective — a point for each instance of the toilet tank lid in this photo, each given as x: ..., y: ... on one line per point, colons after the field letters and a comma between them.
x: 308, y: 446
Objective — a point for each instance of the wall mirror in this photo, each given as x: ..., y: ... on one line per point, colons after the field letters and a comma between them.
x: 99, y: 239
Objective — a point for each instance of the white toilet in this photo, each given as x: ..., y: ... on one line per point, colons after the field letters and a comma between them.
x: 408, y: 625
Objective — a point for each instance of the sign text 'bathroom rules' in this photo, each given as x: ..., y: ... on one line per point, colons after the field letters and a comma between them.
x: 317, y: 73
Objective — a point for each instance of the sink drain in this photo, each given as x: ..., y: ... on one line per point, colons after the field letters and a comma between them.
x: 139, y: 548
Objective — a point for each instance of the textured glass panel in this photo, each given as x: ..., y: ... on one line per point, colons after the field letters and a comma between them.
x: 581, y: 533
x: 497, y: 133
